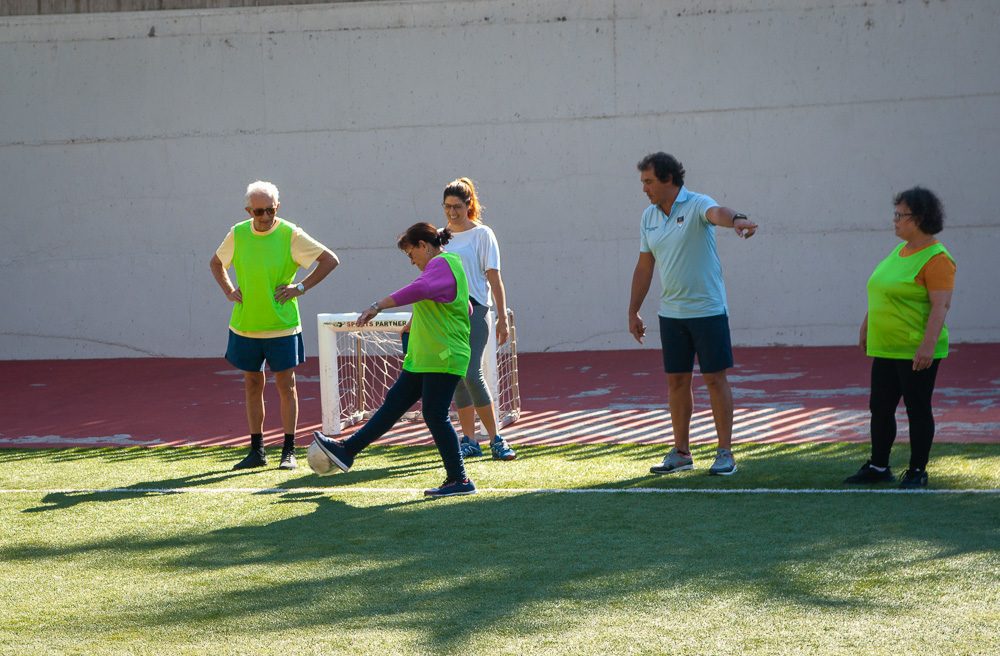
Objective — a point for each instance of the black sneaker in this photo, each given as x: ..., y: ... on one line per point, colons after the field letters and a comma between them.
x: 868, y: 475
x: 334, y: 450
x: 913, y: 478
x: 255, y: 458
x: 288, y: 458
x: 451, y: 489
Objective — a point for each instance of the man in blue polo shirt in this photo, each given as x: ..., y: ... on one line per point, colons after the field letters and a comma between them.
x: 678, y: 239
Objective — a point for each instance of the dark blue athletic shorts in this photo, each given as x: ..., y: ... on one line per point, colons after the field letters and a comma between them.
x: 249, y: 353
x: 708, y: 337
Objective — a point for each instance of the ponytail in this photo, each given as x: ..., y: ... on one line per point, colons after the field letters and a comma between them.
x: 423, y: 232
x: 465, y: 189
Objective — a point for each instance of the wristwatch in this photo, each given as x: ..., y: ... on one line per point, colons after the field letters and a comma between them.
x: 301, y: 288
x: 740, y: 216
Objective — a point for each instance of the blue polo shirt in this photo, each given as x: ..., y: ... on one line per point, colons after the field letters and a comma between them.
x: 683, y: 245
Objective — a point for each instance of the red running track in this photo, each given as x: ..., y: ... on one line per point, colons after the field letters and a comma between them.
x: 781, y: 394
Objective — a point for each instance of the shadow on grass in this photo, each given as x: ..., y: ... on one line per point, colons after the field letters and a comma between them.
x: 445, y: 569
x: 123, y: 454
x: 65, y: 500
x: 772, y: 465
x: 405, y: 462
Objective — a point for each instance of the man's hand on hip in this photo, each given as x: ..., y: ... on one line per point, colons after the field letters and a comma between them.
x: 285, y: 293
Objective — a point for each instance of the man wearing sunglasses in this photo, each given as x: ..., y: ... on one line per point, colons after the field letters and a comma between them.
x: 266, y: 251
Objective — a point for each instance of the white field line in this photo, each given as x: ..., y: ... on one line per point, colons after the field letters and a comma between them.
x: 487, y: 490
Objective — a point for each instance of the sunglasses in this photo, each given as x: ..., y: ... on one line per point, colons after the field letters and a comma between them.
x: 259, y: 211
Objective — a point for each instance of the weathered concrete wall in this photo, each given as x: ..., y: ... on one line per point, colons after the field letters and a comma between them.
x: 126, y: 141
x: 40, y: 7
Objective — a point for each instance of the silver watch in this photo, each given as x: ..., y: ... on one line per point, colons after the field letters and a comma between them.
x: 301, y: 288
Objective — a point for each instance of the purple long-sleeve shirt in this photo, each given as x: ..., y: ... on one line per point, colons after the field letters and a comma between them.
x: 436, y: 283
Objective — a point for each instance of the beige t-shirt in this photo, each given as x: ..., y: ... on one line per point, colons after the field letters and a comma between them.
x: 305, y: 250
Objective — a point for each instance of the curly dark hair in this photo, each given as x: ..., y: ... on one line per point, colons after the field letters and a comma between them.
x: 664, y: 166
x: 928, y: 214
x: 419, y: 232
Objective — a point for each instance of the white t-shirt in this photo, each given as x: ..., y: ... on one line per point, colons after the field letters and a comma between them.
x: 480, y: 252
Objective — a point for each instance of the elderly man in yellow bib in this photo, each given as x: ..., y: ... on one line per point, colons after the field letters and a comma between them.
x: 266, y: 252
x: 909, y: 294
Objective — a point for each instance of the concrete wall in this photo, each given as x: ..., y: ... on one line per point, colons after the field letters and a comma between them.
x: 126, y: 141
x: 36, y: 7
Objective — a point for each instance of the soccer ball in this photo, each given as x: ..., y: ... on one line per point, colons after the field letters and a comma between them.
x: 318, y: 461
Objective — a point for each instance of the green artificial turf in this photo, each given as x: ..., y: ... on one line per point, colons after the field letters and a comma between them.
x: 310, y: 567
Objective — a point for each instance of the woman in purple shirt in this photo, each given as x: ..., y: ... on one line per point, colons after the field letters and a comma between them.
x: 437, y: 358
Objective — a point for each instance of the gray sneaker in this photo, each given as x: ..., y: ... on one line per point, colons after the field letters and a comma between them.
x: 673, y: 462
x: 724, y: 465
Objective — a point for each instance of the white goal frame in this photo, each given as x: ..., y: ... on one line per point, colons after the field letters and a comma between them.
x: 504, y: 389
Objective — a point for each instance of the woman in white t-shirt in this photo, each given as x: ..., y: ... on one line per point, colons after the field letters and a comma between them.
x: 476, y: 244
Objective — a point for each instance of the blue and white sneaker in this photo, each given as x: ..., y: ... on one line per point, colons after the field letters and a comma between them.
x: 451, y: 489
x: 469, y: 448
x: 334, y: 450
x: 501, y: 450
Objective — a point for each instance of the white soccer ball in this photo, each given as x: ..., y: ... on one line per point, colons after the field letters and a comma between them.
x: 319, y: 462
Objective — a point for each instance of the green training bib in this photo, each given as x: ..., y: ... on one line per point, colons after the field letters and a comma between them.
x: 898, y: 307
x: 439, y: 335
x: 262, y: 263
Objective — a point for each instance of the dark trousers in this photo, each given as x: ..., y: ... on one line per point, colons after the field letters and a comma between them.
x: 892, y: 380
x: 436, y: 391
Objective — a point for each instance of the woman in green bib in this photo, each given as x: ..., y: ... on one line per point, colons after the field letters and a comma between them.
x: 436, y: 358
x: 909, y: 294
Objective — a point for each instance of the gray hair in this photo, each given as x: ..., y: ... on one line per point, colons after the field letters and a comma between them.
x: 261, y: 187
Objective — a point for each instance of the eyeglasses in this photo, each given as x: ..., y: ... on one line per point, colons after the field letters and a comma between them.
x: 896, y: 216
x: 448, y: 207
x: 259, y: 211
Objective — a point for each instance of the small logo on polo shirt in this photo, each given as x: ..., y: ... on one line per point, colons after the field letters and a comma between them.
x: 680, y: 219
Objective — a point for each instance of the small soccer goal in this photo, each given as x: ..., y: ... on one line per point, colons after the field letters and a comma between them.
x: 358, y: 365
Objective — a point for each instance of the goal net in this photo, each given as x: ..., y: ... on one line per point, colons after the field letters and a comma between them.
x: 358, y: 365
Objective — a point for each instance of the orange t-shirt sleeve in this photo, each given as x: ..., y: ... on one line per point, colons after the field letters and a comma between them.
x: 938, y: 275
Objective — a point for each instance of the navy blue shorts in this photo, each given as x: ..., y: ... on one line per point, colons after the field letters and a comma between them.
x: 249, y: 353
x: 708, y: 337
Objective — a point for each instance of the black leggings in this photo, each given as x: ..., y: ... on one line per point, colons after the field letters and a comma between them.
x: 892, y: 379
x: 435, y: 390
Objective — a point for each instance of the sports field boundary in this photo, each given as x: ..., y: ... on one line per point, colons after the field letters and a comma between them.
x: 781, y: 395
x: 490, y: 491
